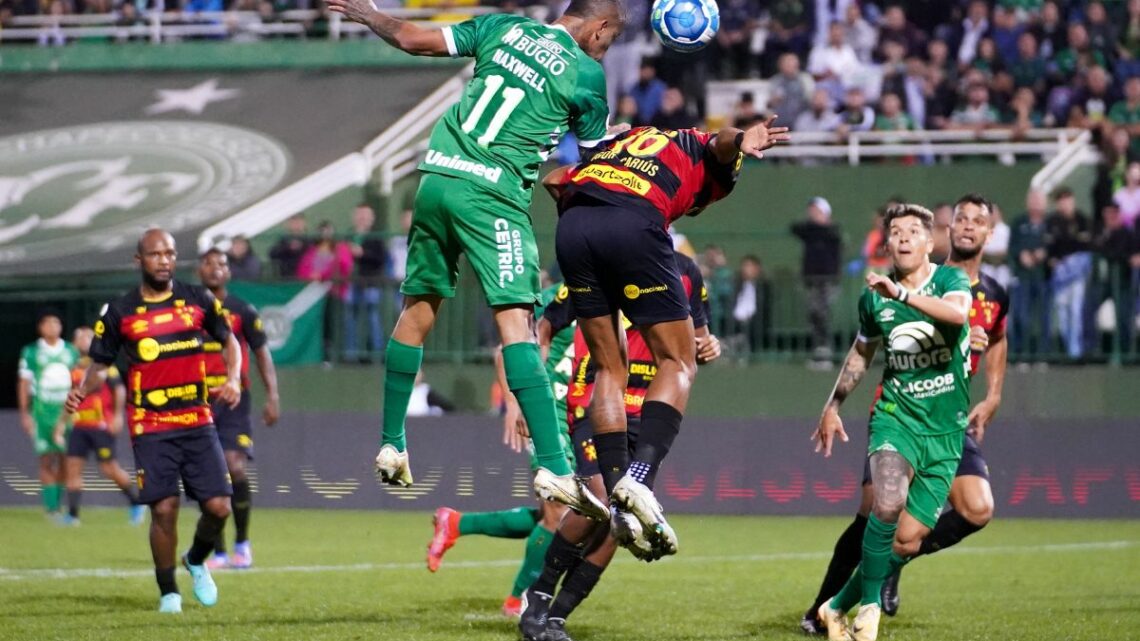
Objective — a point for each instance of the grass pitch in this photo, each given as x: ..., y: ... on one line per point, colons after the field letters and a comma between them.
x: 360, y: 575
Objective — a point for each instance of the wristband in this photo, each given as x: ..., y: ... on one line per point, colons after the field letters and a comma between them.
x: 739, y: 140
x: 904, y: 295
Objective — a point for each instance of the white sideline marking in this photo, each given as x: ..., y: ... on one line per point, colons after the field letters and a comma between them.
x: 109, y: 573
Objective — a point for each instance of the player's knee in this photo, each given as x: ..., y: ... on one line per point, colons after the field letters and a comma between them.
x: 165, y: 511
x: 219, y: 507
x: 75, y: 484
x: 887, y: 509
x: 978, y: 510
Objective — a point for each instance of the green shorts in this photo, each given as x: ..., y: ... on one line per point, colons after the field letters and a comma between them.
x: 46, y: 418
x: 934, y: 459
x: 452, y: 216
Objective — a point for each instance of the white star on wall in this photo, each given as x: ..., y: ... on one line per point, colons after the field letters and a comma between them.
x: 193, y: 100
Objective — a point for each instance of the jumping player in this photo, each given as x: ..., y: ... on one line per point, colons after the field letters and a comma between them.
x: 615, y: 252
x: 160, y: 326
x: 918, y: 423
x: 235, y: 427
x: 532, y: 84
x: 970, y: 494
x: 94, y: 428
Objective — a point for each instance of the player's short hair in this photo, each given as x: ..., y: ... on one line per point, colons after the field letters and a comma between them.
x: 46, y: 312
x: 213, y: 251
x: 976, y: 199
x: 594, y: 8
x: 923, y: 214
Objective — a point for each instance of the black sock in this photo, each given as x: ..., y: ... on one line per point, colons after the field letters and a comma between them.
x: 660, y: 424
x: 166, y: 582
x: 242, y: 504
x: 848, y: 552
x: 73, y: 497
x: 613, y: 457
x: 209, y: 526
x: 561, y: 558
x: 220, y: 541
x: 950, y: 529
x: 132, y: 494
x: 575, y: 589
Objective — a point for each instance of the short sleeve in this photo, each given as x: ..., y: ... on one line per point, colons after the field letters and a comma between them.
x: 214, y: 321
x: 253, y: 328
x: 869, y: 329
x: 108, y: 338
x: 463, y: 39
x: 560, y: 312
x: 114, y: 379
x: 590, y: 118
x: 956, y: 281
x: 25, y: 368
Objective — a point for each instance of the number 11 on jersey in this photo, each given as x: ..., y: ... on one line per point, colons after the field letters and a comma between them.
x: 511, y: 98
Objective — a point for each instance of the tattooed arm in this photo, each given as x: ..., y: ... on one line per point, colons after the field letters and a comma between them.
x: 854, y: 368
x: 401, y: 34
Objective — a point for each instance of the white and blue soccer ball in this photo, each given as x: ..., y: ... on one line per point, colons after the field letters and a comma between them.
x: 685, y: 25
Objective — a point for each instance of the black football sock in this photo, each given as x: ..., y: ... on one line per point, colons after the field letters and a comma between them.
x: 205, y: 535
x: 844, y: 560
x: 242, y: 503
x: 575, y: 589
x: 166, y: 582
x: 73, y: 497
x: 613, y: 457
x: 560, y: 559
x: 950, y: 529
x: 660, y: 424
x: 220, y: 541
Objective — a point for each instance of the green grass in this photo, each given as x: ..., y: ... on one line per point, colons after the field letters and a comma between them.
x: 359, y: 575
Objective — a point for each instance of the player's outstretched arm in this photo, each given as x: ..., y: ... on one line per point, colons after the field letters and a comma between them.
x: 401, y: 34
x: 854, y: 369
x: 750, y: 142
x: 952, y: 309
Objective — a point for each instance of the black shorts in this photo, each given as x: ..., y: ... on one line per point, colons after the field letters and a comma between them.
x: 193, y: 456
x: 235, y: 426
x: 972, y: 463
x: 83, y: 442
x: 617, y: 258
x: 582, y: 435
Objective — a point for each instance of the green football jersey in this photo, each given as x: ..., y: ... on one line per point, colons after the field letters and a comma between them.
x: 48, y: 369
x: 532, y: 84
x: 560, y: 359
x: 926, y: 380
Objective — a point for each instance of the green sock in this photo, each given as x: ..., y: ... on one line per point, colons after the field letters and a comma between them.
x: 851, y: 592
x: 401, y: 364
x: 505, y: 524
x: 536, y: 545
x: 528, y: 381
x: 52, y: 497
x: 877, y: 555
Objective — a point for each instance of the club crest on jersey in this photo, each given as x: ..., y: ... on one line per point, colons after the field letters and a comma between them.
x: 916, y: 345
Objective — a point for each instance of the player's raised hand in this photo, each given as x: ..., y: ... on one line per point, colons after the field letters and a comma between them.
x: 830, y: 426
x: 885, y: 286
x: 763, y: 136
x: 708, y: 349
x: 355, y: 10
x: 228, y: 393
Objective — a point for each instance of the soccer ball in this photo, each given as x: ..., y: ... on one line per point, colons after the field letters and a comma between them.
x: 685, y: 25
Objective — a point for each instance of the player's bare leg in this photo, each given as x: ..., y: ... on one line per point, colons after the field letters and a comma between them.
x: 671, y: 344
x: 402, y: 361
x: 528, y: 381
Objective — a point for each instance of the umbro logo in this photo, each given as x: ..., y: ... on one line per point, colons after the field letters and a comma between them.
x: 887, y: 315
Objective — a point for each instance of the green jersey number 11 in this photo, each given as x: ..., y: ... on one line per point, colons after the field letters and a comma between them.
x: 511, y: 98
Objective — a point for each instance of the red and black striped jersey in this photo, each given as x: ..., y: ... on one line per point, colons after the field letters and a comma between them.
x: 95, y: 410
x: 672, y: 171
x: 989, y: 307
x: 247, y: 328
x: 164, y: 346
x: 642, y: 368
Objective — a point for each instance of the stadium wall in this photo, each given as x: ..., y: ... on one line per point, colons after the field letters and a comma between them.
x: 1039, y: 468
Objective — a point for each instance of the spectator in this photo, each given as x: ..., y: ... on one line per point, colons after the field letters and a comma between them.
x: 648, y: 92
x: 834, y: 62
x: 896, y: 28
x: 1102, y: 33
x: 826, y: 13
x: 1078, y: 57
x: 943, y: 216
x: 719, y: 282
x: 1116, y: 156
x: 1118, y: 258
x: 363, y: 295
x: 1029, y: 303
x: 1068, y: 237
x: 1028, y: 68
x: 750, y: 300
x: 940, y: 98
x: 673, y: 114
x: 286, y: 253
x: 244, y: 264
x: 891, y: 117
x: 857, y: 115
x: 1050, y: 30
x: 1127, y: 198
x: 973, y: 27
x: 623, y: 60
x: 1006, y: 32
x: 791, y: 89
x: 1089, y: 107
x: 1023, y: 113
x: 789, y: 31
x: 398, y: 257
x: 327, y: 261
x: 977, y: 114
x: 820, y: 271
x: 995, y: 253
x: 745, y: 113
x: 819, y: 117
x: 1126, y: 113
x: 627, y: 112
x: 51, y: 35
x: 859, y: 33
x: 938, y: 56
x: 893, y: 68
x: 913, y: 91
x: 733, y: 41
x: 987, y: 59
x: 1129, y: 47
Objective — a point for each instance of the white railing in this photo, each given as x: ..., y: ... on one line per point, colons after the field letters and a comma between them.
x: 928, y: 145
